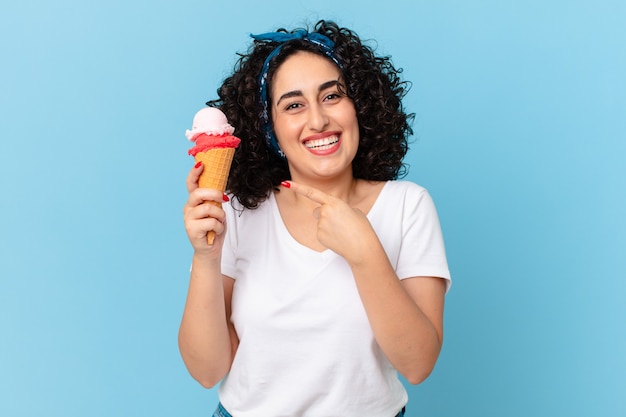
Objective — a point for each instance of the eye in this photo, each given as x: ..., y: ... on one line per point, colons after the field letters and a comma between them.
x: 293, y: 106
x: 332, y: 96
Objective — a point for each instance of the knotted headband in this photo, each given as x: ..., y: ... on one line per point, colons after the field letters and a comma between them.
x: 327, y: 47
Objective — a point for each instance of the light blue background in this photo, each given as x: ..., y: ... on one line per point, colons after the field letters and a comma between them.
x: 520, y: 137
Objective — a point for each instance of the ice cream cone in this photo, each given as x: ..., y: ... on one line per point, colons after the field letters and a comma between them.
x: 215, y: 175
x: 215, y: 148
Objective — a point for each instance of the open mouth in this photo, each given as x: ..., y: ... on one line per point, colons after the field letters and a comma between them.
x: 322, y: 144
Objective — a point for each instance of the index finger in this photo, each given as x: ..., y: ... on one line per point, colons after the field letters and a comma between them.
x: 192, y: 178
x: 311, y: 193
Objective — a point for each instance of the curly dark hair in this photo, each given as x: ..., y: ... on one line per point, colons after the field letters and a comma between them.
x: 371, y: 82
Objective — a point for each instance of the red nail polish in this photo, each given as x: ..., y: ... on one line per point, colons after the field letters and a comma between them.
x: 225, y: 198
x: 197, y: 165
x: 285, y: 184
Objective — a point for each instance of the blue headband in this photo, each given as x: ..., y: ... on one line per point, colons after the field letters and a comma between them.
x: 327, y: 47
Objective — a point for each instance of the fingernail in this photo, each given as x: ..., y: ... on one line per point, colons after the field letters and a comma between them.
x: 225, y: 198
x: 286, y: 184
x: 197, y: 165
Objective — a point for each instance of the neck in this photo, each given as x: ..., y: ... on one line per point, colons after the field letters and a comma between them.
x: 343, y: 187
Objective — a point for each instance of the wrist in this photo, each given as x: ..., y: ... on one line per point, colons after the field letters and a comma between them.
x: 367, y: 253
x: 206, y: 260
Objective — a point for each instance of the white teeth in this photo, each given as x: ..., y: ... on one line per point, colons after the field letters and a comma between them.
x: 321, y: 144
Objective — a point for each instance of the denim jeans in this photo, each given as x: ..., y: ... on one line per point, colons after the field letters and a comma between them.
x: 221, y: 412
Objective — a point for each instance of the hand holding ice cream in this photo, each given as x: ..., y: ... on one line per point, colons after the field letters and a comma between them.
x: 214, y: 147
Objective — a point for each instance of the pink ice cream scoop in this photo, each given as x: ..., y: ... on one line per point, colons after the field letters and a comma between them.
x: 211, y: 130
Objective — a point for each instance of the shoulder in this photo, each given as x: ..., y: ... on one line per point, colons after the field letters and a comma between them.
x: 237, y: 213
x: 244, y: 224
x: 408, y: 200
x: 405, y: 189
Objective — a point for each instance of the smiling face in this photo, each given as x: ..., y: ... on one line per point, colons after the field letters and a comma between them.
x: 315, y: 123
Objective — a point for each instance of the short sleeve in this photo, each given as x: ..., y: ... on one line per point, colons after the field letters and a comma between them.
x: 229, y: 260
x: 422, y: 250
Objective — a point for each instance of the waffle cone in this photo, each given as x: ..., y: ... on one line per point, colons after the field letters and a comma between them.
x: 215, y: 175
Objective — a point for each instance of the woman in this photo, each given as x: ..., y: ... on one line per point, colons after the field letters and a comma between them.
x: 327, y: 276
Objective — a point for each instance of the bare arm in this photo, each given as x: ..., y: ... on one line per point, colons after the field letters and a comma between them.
x: 406, y: 316
x: 206, y: 338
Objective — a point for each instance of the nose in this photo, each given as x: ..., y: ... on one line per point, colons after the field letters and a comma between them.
x: 317, y: 119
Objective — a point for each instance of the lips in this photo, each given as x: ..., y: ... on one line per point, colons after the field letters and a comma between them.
x: 322, y: 144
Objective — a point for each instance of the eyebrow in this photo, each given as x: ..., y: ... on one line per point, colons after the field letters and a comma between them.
x: 298, y: 93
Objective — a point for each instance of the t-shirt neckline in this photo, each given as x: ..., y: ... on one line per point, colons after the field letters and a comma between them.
x: 288, y: 237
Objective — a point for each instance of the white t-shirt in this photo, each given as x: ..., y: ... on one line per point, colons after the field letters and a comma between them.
x: 306, y: 347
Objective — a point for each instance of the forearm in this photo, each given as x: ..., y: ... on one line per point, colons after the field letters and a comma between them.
x: 409, y: 338
x: 204, y: 339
